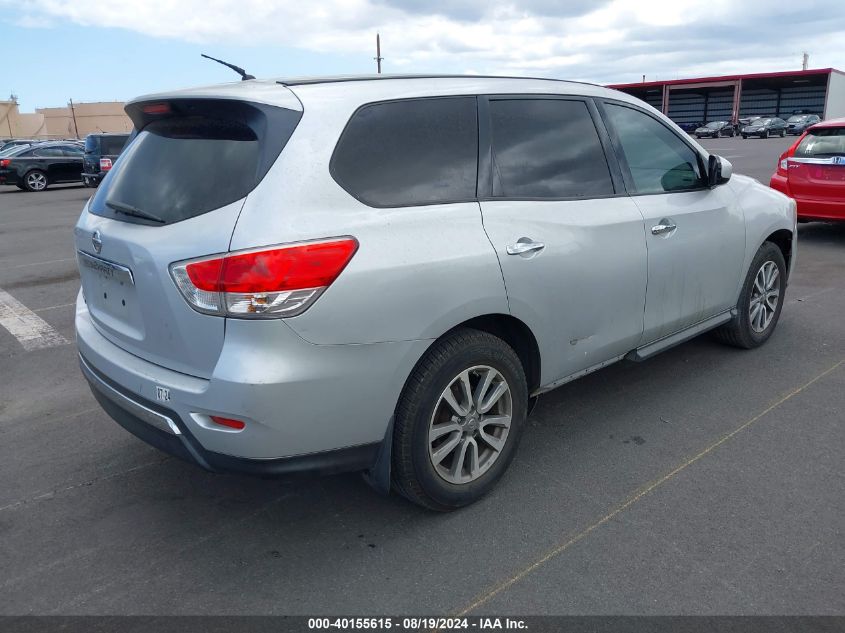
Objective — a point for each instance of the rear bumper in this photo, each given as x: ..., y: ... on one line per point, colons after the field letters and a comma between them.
x: 306, y: 407
x: 93, y: 178
x: 164, y: 430
x: 825, y: 210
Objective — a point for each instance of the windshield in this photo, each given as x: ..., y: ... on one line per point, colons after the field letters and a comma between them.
x: 715, y: 124
x: 797, y: 118
x: 822, y: 143
x: 761, y: 122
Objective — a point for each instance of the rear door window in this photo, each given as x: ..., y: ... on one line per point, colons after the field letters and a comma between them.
x: 199, y: 156
x: 413, y: 152
x: 546, y: 148
x: 112, y: 145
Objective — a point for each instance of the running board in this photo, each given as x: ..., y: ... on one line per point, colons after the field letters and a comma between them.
x: 647, y: 351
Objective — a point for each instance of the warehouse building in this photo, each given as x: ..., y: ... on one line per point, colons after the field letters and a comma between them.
x: 691, y: 102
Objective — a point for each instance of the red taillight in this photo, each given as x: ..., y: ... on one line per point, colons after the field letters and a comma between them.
x: 229, y: 422
x: 266, y: 283
x: 783, y: 161
x: 105, y: 164
x: 156, y: 108
x: 5, y: 162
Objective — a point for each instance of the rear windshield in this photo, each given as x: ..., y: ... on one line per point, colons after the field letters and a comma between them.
x: 202, y: 155
x: 105, y: 145
x: 822, y: 143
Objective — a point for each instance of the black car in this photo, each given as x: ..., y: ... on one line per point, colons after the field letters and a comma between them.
x: 101, y: 150
x: 765, y: 127
x: 33, y: 168
x: 797, y: 123
x: 691, y: 126
x: 715, y: 129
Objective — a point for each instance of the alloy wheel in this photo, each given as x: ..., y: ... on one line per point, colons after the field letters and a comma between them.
x: 470, y: 424
x: 36, y: 181
x: 765, y: 295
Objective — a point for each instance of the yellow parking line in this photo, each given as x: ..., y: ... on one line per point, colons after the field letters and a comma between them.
x: 487, y: 596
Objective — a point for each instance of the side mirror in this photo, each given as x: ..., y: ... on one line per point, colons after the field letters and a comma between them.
x: 719, y: 170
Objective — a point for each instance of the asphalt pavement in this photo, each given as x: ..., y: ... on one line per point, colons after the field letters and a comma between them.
x: 707, y: 480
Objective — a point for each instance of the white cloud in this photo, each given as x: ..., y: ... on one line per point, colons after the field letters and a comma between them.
x: 602, y: 40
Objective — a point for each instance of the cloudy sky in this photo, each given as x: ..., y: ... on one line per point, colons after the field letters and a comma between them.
x: 54, y: 50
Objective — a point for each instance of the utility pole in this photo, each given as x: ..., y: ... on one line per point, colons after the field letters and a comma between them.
x: 806, y: 61
x: 73, y: 114
x: 378, y: 56
x: 14, y: 101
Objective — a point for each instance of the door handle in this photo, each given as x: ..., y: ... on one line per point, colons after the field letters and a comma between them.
x: 665, y: 226
x: 525, y: 245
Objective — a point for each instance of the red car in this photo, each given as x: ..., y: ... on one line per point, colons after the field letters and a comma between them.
x: 812, y: 172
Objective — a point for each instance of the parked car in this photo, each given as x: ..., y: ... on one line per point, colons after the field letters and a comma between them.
x: 715, y: 129
x: 691, y: 127
x: 381, y: 274
x: 798, y: 123
x: 101, y: 150
x: 765, y: 127
x: 4, y: 145
x: 812, y: 172
x: 35, y: 167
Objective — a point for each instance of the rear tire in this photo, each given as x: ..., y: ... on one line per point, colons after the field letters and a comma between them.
x: 443, y: 460
x: 764, y: 135
x: 758, y: 308
x: 35, y: 180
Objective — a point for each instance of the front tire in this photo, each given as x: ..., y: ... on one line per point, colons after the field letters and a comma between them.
x: 760, y: 301
x: 35, y: 180
x: 458, y: 421
x: 745, y: 136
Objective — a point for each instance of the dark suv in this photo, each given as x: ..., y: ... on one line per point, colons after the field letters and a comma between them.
x: 101, y: 150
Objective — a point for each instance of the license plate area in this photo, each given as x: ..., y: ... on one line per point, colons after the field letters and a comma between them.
x: 109, y: 290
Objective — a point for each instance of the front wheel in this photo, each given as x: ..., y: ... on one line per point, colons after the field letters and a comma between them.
x: 760, y: 301
x: 36, y: 180
x: 764, y: 135
x: 745, y: 136
x: 458, y: 421
x: 783, y: 134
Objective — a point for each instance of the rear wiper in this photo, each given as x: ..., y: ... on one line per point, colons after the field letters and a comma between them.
x: 128, y: 209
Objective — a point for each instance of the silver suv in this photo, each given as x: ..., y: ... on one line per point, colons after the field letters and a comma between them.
x: 380, y: 273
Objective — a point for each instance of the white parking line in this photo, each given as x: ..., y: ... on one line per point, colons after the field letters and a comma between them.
x: 31, y: 330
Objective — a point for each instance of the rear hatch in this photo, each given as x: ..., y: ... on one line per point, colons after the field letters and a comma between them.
x: 173, y: 194
x: 816, y: 170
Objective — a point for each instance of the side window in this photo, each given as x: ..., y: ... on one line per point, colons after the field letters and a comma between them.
x: 404, y: 153
x: 546, y: 148
x: 72, y: 150
x: 48, y: 152
x: 658, y: 160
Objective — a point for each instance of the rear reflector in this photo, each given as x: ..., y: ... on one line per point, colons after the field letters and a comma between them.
x: 228, y: 422
x: 266, y: 283
x: 105, y: 164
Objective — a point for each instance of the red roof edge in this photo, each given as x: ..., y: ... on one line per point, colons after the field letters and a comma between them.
x: 675, y: 82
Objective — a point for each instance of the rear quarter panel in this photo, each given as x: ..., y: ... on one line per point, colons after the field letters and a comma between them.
x: 419, y: 270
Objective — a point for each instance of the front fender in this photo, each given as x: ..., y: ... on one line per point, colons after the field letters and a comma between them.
x: 766, y: 211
